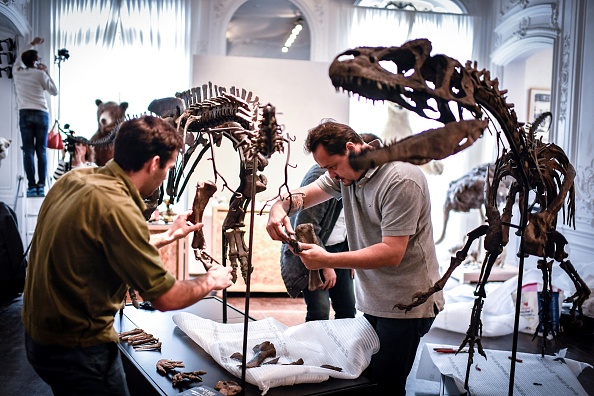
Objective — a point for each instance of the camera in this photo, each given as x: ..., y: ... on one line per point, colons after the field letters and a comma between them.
x: 63, y: 53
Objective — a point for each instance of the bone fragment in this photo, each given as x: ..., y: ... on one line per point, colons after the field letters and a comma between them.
x: 305, y: 233
x: 165, y: 365
x: 131, y: 332
x: 149, y: 347
x: 143, y: 341
x: 263, y: 351
x: 190, y: 376
x: 273, y: 361
x: 204, y: 191
x: 237, y: 356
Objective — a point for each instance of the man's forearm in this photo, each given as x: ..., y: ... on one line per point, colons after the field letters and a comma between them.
x: 184, y: 293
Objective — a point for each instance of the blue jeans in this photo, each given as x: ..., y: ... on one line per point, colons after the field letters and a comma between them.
x: 34, y: 125
x: 95, y: 370
x: 399, y: 340
x: 342, y: 294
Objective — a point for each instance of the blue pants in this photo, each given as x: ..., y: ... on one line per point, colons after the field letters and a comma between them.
x: 34, y: 125
x: 399, y: 340
x: 95, y: 370
x: 342, y: 294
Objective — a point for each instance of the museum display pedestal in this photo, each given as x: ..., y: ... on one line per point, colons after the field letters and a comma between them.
x: 140, y: 366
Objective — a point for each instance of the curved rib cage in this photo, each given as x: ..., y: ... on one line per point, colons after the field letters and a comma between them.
x: 467, y: 101
x: 209, y: 114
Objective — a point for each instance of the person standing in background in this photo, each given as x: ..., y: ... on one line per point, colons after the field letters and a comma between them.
x: 32, y: 80
x: 327, y: 219
x: 329, y: 226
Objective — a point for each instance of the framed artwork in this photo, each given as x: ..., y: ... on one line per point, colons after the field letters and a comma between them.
x: 540, y: 102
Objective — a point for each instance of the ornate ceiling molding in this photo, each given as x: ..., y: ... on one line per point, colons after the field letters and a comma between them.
x: 585, y: 193
x: 13, y: 13
x: 564, y: 79
x: 524, y: 32
x: 508, y: 5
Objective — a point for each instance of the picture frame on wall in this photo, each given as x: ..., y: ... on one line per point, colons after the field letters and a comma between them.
x: 540, y: 102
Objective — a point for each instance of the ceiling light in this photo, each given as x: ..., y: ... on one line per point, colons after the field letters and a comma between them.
x: 297, y: 27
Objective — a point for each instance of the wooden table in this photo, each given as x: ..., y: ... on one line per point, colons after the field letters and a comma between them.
x: 140, y: 366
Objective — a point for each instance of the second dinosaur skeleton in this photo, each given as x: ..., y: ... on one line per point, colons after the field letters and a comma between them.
x: 204, y: 116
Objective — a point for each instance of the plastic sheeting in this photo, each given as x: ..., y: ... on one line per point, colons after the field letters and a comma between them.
x: 344, y: 343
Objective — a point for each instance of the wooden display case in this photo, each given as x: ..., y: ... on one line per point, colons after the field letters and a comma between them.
x: 266, y: 276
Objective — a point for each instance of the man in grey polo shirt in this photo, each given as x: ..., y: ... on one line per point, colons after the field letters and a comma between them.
x: 388, y: 217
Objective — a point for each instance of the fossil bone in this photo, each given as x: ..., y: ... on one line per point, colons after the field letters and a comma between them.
x: 165, y: 365
x: 306, y: 233
x: 262, y: 351
x: 204, y: 191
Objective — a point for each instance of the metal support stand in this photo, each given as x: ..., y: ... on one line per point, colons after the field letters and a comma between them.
x: 523, y: 224
x: 248, y: 278
x: 249, y: 273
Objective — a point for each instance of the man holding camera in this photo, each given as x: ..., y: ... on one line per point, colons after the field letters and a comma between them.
x: 32, y: 80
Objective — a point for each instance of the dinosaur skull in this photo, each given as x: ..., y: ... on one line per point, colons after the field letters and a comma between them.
x: 419, y: 82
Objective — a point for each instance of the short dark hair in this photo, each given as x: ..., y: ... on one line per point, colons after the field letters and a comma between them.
x: 140, y: 139
x: 29, y: 58
x: 333, y: 136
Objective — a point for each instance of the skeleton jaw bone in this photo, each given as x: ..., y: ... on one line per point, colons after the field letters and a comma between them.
x: 433, y: 144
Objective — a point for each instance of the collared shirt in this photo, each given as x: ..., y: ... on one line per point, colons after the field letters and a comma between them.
x: 91, y: 242
x: 391, y: 200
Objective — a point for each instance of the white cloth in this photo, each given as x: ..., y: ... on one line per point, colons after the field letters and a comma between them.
x: 344, y: 343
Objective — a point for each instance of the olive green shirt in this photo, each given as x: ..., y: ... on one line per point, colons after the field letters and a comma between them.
x: 90, y: 243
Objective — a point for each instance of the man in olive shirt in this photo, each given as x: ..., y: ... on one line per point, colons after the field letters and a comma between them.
x: 90, y: 244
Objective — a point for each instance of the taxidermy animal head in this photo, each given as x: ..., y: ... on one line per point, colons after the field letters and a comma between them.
x: 4, y: 144
x: 109, y: 114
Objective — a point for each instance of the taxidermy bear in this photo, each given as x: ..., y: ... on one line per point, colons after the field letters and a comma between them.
x: 109, y: 114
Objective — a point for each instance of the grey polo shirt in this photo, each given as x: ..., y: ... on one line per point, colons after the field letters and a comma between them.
x: 391, y: 200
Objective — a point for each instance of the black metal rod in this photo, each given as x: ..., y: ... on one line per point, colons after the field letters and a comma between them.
x: 224, y: 261
x: 249, y: 272
x: 523, y: 223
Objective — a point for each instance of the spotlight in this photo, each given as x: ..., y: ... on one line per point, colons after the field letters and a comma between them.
x: 297, y: 27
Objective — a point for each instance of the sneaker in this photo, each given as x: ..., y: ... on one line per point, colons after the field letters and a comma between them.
x: 32, y: 192
x: 41, y: 191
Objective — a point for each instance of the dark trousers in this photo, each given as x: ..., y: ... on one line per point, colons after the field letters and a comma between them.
x: 95, y: 370
x: 34, y: 126
x: 399, y: 340
x: 342, y: 295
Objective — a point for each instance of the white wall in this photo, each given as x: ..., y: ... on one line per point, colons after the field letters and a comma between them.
x: 521, y: 75
x: 303, y: 95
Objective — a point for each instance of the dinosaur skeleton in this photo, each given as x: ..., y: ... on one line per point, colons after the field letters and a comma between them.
x: 467, y: 101
x: 209, y: 114
x: 468, y: 192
